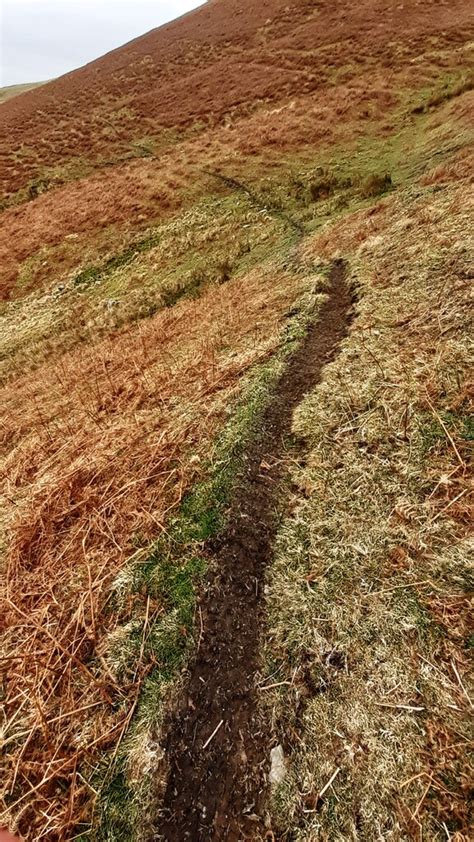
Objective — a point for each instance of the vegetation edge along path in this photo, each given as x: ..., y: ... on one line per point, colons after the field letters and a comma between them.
x: 215, y: 745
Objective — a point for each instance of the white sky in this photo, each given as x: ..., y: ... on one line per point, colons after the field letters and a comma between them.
x: 42, y: 39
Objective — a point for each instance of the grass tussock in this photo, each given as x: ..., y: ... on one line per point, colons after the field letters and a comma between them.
x: 376, y: 185
x: 368, y: 596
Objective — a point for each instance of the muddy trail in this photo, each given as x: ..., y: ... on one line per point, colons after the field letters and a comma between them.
x: 217, y: 746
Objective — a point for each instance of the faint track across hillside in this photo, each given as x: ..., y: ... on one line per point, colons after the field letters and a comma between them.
x: 216, y: 745
x: 257, y: 200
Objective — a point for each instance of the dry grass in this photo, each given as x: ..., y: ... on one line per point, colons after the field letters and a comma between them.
x: 368, y: 595
x: 98, y: 449
x: 197, y: 244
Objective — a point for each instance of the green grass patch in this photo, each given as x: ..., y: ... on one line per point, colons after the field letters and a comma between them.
x: 435, y: 436
x: 95, y: 274
x: 447, y: 87
x: 341, y: 178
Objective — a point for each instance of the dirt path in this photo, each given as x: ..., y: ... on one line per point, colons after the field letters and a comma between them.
x: 216, y: 787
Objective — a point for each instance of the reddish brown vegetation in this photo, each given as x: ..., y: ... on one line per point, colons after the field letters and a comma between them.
x: 97, y: 443
x: 174, y: 75
x: 127, y: 196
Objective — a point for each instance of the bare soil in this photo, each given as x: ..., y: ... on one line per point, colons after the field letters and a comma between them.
x: 217, y: 787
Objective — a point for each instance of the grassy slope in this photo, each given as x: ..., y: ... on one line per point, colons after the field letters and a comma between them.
x: 369, y: 593
x: 152, y: 324
x: 13, y: 90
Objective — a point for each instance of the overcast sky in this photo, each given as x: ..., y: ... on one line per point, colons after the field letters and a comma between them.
x: 42, y: 39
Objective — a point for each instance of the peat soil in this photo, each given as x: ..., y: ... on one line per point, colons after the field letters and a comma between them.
x: 217, y: 746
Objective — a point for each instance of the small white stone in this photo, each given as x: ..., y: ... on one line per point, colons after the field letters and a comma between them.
x: 277, y: 766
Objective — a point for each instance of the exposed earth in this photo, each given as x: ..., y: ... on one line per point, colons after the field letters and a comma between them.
x: 216, y: 789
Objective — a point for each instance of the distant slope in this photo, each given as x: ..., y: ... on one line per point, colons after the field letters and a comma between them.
x: 13, y: 90
x: 223, y: 58
x: 127, y: 140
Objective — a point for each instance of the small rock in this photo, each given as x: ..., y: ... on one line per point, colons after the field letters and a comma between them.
x: 277, y: 766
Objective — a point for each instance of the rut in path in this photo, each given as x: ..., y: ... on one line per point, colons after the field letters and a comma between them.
x: 216, y: 790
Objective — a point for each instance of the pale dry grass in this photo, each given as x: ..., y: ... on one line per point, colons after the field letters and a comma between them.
x: 98, y: 449
x: 46, y: 322
x: 14, y: 90
x: 368, y: 595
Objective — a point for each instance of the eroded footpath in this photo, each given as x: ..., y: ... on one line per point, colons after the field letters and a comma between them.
x: 216, y: 746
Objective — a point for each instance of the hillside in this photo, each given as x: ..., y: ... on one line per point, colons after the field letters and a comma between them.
x: 235, y: 267
x: 172, y: 77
